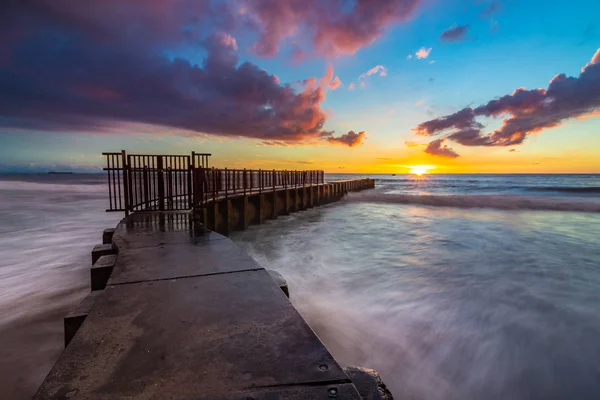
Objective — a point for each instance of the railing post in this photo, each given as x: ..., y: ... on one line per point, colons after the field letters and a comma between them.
x: 146, y: 193
x: 214, y: 185
x: 273, y: 184
x: 125, y: 181
x: 226, y: 182
x: 190, y: 180
x: 245, y: 176
x: 260, y: 181
x: 161, y: 183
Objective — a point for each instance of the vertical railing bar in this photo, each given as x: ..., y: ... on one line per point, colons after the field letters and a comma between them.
x: 108, y: 181
x: 152, y: 178
x: 179, y: 183
x: 119, y: 184
x: 226, y: 183
x: 113, y: 180
x: 125, y: 181
x: 214, y: 184
x: 191, y: 180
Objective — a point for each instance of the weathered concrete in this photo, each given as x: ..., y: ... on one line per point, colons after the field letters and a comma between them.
x: 180, y: 260
x: 280, y: 281
x: 102, y: 250
x: 182, y: 338
x: 74, y: 319
x: 186, y: 314
x: 101, y: 271
x: 238, y: 212
x: 107, y: 235
x: 369, y: 383
x: 324, y: 392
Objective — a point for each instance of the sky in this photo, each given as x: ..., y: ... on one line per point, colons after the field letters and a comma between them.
x: 367, y: 86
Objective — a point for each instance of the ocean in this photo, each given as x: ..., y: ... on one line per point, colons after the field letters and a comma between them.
x: 451, y: 286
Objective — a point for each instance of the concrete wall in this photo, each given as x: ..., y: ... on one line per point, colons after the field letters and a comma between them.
x: 226, y: 215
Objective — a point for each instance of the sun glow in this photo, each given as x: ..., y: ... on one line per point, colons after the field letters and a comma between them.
x: 420, y: 170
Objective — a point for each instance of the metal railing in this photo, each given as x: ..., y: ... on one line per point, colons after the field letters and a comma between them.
x: 212, y: 184
x: 140, y: 182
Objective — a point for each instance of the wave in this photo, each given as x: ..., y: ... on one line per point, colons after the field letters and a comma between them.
x: 562, y: 189
x: 502, y: 202
x: 52, y: 187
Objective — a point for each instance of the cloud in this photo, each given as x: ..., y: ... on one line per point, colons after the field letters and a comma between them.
x: 351, y: 86
x: 423, y: 53
x: 376, y: 69
x: 328, y: 81
x: 349, y: 139
x: 454, y: 33
x: 512, y: 150
x: 408, y: 57
x: 418, y: 103
x: 412, y: 145
x: 333, y: 27
x: 88, y: 67
x: 335, y: 83
x: 491, y: 9
x: 526, y: 111
x: 275, y: 143
x: 438, y: 148
x: 74, y: 85
x: 362, y: 84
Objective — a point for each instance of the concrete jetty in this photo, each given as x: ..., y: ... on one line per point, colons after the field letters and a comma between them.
x: 178, y: 311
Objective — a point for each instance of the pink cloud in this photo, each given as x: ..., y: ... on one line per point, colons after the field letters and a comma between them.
x: 328, y: 81
x: 527, y: 111
x: 376, y: 69
x: 423, y: 53
x: 332, y: 27
x: 335, y: 83
x: 351, y: 86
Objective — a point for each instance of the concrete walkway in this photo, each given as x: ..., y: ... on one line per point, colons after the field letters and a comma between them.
x: 187, y: 314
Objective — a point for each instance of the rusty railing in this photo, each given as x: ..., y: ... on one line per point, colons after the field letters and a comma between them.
x: 139, y: 182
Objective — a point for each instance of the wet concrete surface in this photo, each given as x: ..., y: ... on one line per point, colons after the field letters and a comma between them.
x: 187, y: 314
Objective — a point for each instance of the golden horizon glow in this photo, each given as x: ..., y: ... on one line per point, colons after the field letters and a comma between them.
x: 420, y: 170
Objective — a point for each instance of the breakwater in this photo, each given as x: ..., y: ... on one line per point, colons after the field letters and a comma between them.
x: 177, y: 310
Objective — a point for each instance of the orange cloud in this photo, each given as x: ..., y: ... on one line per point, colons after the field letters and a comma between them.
x: 423, y: 53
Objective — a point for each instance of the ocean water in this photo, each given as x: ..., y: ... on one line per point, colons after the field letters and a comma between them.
x: 48, y: 227
x: 451, y: 286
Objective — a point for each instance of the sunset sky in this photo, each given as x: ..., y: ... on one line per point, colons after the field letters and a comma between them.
x: 466, y: 86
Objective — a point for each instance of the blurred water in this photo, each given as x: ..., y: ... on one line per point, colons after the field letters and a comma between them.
x: 446, y: 302
x: 48, y: 227
x: 453, y: 287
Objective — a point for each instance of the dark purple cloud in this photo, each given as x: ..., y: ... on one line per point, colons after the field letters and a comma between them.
x: 88, y: 66
x: 454, y: 33
x: 491, y: 9
x: 527, y: 111
x: 438, y: 148
x: 349, y: 139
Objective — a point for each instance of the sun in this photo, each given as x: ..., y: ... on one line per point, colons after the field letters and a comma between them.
x: 420, y: 170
